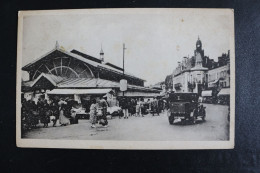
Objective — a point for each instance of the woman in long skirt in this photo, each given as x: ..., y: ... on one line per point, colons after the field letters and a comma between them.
x: 138, y: 108
x: 63, y: 120
x: 93, y: 113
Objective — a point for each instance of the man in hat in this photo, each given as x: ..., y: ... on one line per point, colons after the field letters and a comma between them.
x: 123, y: 103
x: 155, y: 106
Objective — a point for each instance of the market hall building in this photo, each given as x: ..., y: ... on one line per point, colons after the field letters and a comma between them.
x: 79, y: 76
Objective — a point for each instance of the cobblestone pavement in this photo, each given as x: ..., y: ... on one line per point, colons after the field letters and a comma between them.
x: 216, y: 127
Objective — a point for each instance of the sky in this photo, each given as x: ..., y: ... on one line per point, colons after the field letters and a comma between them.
x: 155, y: 39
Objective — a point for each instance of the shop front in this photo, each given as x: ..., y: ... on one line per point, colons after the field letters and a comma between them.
x: 206, y: 96
x: 224, y: 96
x: 82, y: 96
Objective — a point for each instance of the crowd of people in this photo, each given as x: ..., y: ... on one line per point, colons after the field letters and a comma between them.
x: 130, y: 107
x: 43, y: 111
x: 59, y: 110
x: 139, y: 107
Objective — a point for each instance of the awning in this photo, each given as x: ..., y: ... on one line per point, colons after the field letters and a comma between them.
x: 224, y: 91
x: 137, y: 94
x: 206, y: 93
x: 101, y: 83
x: 212, y: 84
x: 79, y: 91
x: 215, y: 81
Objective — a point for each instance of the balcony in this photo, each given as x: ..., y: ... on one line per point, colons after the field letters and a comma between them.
x: 177, y: 85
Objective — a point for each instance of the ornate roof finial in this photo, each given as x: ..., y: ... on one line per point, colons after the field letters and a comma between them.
x: 57, y: 46
x: 198, y: 37
x: 101, y: 51
x: 101, y: 54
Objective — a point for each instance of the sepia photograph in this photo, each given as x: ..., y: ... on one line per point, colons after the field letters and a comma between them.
x: 126, y: 79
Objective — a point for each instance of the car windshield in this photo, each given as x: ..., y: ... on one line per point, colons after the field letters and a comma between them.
x: 179, y: 97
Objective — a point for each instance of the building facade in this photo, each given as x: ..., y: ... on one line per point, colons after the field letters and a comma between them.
x: 199, y: 73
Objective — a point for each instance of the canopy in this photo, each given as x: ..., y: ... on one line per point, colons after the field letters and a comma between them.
x: 79, y: 91
x: 138, y: 94
x: 206, y: 93
x: 224, y: 91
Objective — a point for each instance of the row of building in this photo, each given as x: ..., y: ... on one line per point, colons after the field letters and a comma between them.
x: 202, y: 75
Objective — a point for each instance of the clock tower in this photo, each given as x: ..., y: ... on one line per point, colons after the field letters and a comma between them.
x: 200, y: 51
x: 198, y: 45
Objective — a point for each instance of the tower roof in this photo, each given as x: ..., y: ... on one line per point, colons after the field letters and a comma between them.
x: 198, y: 41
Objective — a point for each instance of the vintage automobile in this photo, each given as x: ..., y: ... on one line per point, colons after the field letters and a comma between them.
x: 185, y: 106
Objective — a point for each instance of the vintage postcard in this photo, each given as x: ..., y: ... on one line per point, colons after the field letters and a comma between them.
x: 126, y: 79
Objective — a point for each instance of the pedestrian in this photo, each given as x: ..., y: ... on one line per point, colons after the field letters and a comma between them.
x: 160, y: 105
x: 34, y: 114
x: 102, y: 105
x: 62, y: 118
x: 24, y: 115
x: 55, y: 111
x: 139, y: 107
x: 155, y: 106
x: 132, y: 107
x: 47, y: 113
x: 40, y: 105
x: 93, y: 113
x: 124, y: 106
x: 142, y: 107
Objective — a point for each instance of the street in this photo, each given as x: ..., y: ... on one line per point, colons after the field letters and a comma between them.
x: 148, y: 128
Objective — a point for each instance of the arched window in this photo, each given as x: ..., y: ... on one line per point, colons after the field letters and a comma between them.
x: 65, y: 67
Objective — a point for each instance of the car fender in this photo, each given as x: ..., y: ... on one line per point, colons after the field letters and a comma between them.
x: 168, y: 112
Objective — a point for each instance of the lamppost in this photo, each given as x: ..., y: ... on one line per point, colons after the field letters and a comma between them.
x: 124, y: 48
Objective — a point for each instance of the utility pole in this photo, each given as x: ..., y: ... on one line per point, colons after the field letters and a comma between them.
x: 124, y: 59
x: 124, y: 64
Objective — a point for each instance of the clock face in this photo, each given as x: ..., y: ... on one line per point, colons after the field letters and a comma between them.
x: 198, y: 45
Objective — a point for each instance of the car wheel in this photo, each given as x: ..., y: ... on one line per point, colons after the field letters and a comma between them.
x: 204, y: 116
x: 171, y: 119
